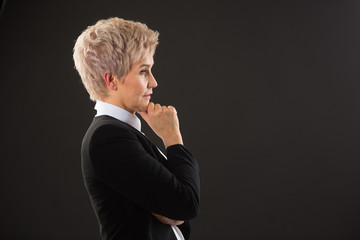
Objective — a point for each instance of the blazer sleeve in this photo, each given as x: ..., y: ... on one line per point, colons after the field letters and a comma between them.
x: 119, y: 159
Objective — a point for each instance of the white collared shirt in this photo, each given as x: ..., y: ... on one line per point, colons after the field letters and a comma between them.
x: 104, y: 108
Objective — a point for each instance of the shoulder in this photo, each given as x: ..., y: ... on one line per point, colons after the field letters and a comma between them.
x: 105, y: 127
x: 107, y: 134
x: 109, y: 138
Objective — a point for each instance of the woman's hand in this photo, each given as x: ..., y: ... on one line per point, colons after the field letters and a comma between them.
x: 164, y: 122
x: 167, y: 221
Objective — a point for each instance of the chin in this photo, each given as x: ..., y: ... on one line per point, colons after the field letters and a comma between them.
x: 142, y: 108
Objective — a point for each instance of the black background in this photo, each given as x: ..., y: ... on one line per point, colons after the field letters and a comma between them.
x: 268, y: 99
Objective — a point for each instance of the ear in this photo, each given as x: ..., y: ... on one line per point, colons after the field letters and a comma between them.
x: 110, y: 81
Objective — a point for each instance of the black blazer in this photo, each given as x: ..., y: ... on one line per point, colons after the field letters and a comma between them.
x: 128, y: 179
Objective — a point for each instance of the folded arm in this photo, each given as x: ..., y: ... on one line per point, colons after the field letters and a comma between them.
x: 121, y: 161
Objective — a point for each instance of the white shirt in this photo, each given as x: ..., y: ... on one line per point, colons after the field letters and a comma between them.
x: 108, y: 109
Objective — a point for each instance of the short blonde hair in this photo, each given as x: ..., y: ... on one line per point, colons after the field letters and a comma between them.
x: 112, y: 45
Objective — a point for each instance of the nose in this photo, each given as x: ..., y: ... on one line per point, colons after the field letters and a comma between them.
x: 152, y: 82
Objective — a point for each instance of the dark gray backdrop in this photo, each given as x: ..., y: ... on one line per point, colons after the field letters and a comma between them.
x: 268, y: 99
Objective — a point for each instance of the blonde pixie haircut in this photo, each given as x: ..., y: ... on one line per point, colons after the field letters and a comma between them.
x: 112, y: 45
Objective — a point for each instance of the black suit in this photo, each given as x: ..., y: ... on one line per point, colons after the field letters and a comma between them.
x: 128, y: 179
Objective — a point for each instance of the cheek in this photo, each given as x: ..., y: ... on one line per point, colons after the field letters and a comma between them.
x: 142, y: 89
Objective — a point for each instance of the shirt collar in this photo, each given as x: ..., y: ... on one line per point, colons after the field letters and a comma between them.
x: 108, y: 109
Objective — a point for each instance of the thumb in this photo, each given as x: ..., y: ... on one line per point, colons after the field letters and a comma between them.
x: 145, y: 116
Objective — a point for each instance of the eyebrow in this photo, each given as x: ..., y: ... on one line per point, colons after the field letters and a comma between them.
x: 145, y: 65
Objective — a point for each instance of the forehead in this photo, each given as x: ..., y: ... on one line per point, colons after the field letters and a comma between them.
x: 147, y: 59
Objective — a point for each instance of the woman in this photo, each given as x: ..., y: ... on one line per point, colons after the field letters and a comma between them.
x: 136, y: 191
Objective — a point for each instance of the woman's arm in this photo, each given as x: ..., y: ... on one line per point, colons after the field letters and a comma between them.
x: 164, y: 122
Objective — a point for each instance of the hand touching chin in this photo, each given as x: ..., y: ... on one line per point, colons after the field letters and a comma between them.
x: 143, y: 108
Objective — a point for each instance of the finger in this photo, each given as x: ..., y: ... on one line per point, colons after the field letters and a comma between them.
x: 164, y: 108
x: 162, y: 219
x: 178, y: 223
x: 172, y: 108
x: 157, y: 106
x: 150, y: 107
x: 167, y: 221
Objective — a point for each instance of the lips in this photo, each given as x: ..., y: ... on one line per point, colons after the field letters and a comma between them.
x: 148, y: 95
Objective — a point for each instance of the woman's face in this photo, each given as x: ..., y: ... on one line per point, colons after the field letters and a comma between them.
x: 136, y: 88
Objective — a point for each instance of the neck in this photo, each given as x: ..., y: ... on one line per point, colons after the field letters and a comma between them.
x: 117, y: 103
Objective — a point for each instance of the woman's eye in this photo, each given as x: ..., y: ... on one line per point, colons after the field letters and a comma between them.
x: 143, y: 72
